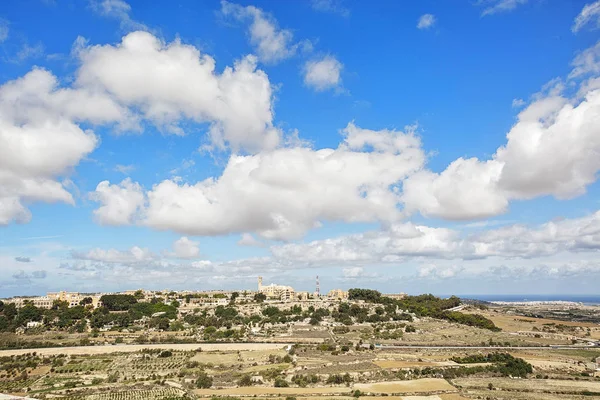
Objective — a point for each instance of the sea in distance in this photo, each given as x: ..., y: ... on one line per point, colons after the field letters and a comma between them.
x: 577, y: 298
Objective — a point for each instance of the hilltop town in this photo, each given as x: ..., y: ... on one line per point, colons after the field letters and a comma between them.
x: 163, y: 310
x: 272, y: 292
x: 277, y: 342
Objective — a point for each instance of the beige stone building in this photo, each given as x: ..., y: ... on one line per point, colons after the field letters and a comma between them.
x: 72, y: 298
x: 395, y: 296
x: 39, y: 302
x: 273, y: 291
x: 337, y: 294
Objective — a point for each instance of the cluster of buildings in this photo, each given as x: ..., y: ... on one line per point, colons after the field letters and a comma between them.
x: 72, y: 298
x: 191, y: 299
x: 287, y: 293
x: 280, y: 292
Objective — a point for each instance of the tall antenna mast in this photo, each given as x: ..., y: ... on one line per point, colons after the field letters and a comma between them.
x: 318, y: 291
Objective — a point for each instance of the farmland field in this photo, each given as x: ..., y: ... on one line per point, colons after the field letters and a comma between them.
x: 322, y: 362
x: 413, y: 386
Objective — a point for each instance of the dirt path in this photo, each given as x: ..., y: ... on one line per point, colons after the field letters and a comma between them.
x: 130, y: 348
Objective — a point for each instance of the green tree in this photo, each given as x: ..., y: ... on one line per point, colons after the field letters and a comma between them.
x: 204, y: 381
x: 161, y: 323
x: 260, y: 297
x: 4, y: 325
x: 29, y: 312
x: 245, y: 380
x: 233, y: 297
x: 280, y: 382
x: 85, y: 301
x: 10, y: 311
x: 118, y: 302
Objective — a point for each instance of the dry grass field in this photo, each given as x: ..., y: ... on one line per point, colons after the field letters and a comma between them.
x: 132, y: 348
x: 516, y: 323
x: 413, y: 386
x: 392, y: 364
x: 531, y: 385
x: 265, y: 391
x: 380, y: 373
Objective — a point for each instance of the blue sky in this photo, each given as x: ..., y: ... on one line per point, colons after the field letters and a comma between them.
x: 421, y: 146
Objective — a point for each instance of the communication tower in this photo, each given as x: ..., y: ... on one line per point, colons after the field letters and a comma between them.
x: 318, y: 291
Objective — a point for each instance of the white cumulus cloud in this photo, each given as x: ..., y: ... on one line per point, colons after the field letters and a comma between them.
x: 353, y: 183
x: 41, y: 142
x: 120, y: 203
x: 532, y: 163
x: 186, y: 248
x: 170, y: 82
x: 323, y: 74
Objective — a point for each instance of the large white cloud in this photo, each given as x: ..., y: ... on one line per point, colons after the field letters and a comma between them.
x: 553, y: 149
x: 40, y: 141
x: 169, y: 82
x: 140, y: 79
x: 282, y: 193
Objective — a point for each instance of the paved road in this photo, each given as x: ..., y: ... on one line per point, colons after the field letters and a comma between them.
x: 553, y: 347
x: 130, y: 348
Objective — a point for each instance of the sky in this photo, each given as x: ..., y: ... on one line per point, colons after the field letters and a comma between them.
x: 411, y: 146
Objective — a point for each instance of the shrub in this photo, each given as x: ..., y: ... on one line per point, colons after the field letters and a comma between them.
x: 280, y: 382
x: 245, y: 380
x: 204, y: 381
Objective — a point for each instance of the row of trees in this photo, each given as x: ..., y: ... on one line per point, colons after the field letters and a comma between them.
x: 426, y: 305
x: 120, y: 310
x: 59, y: 316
